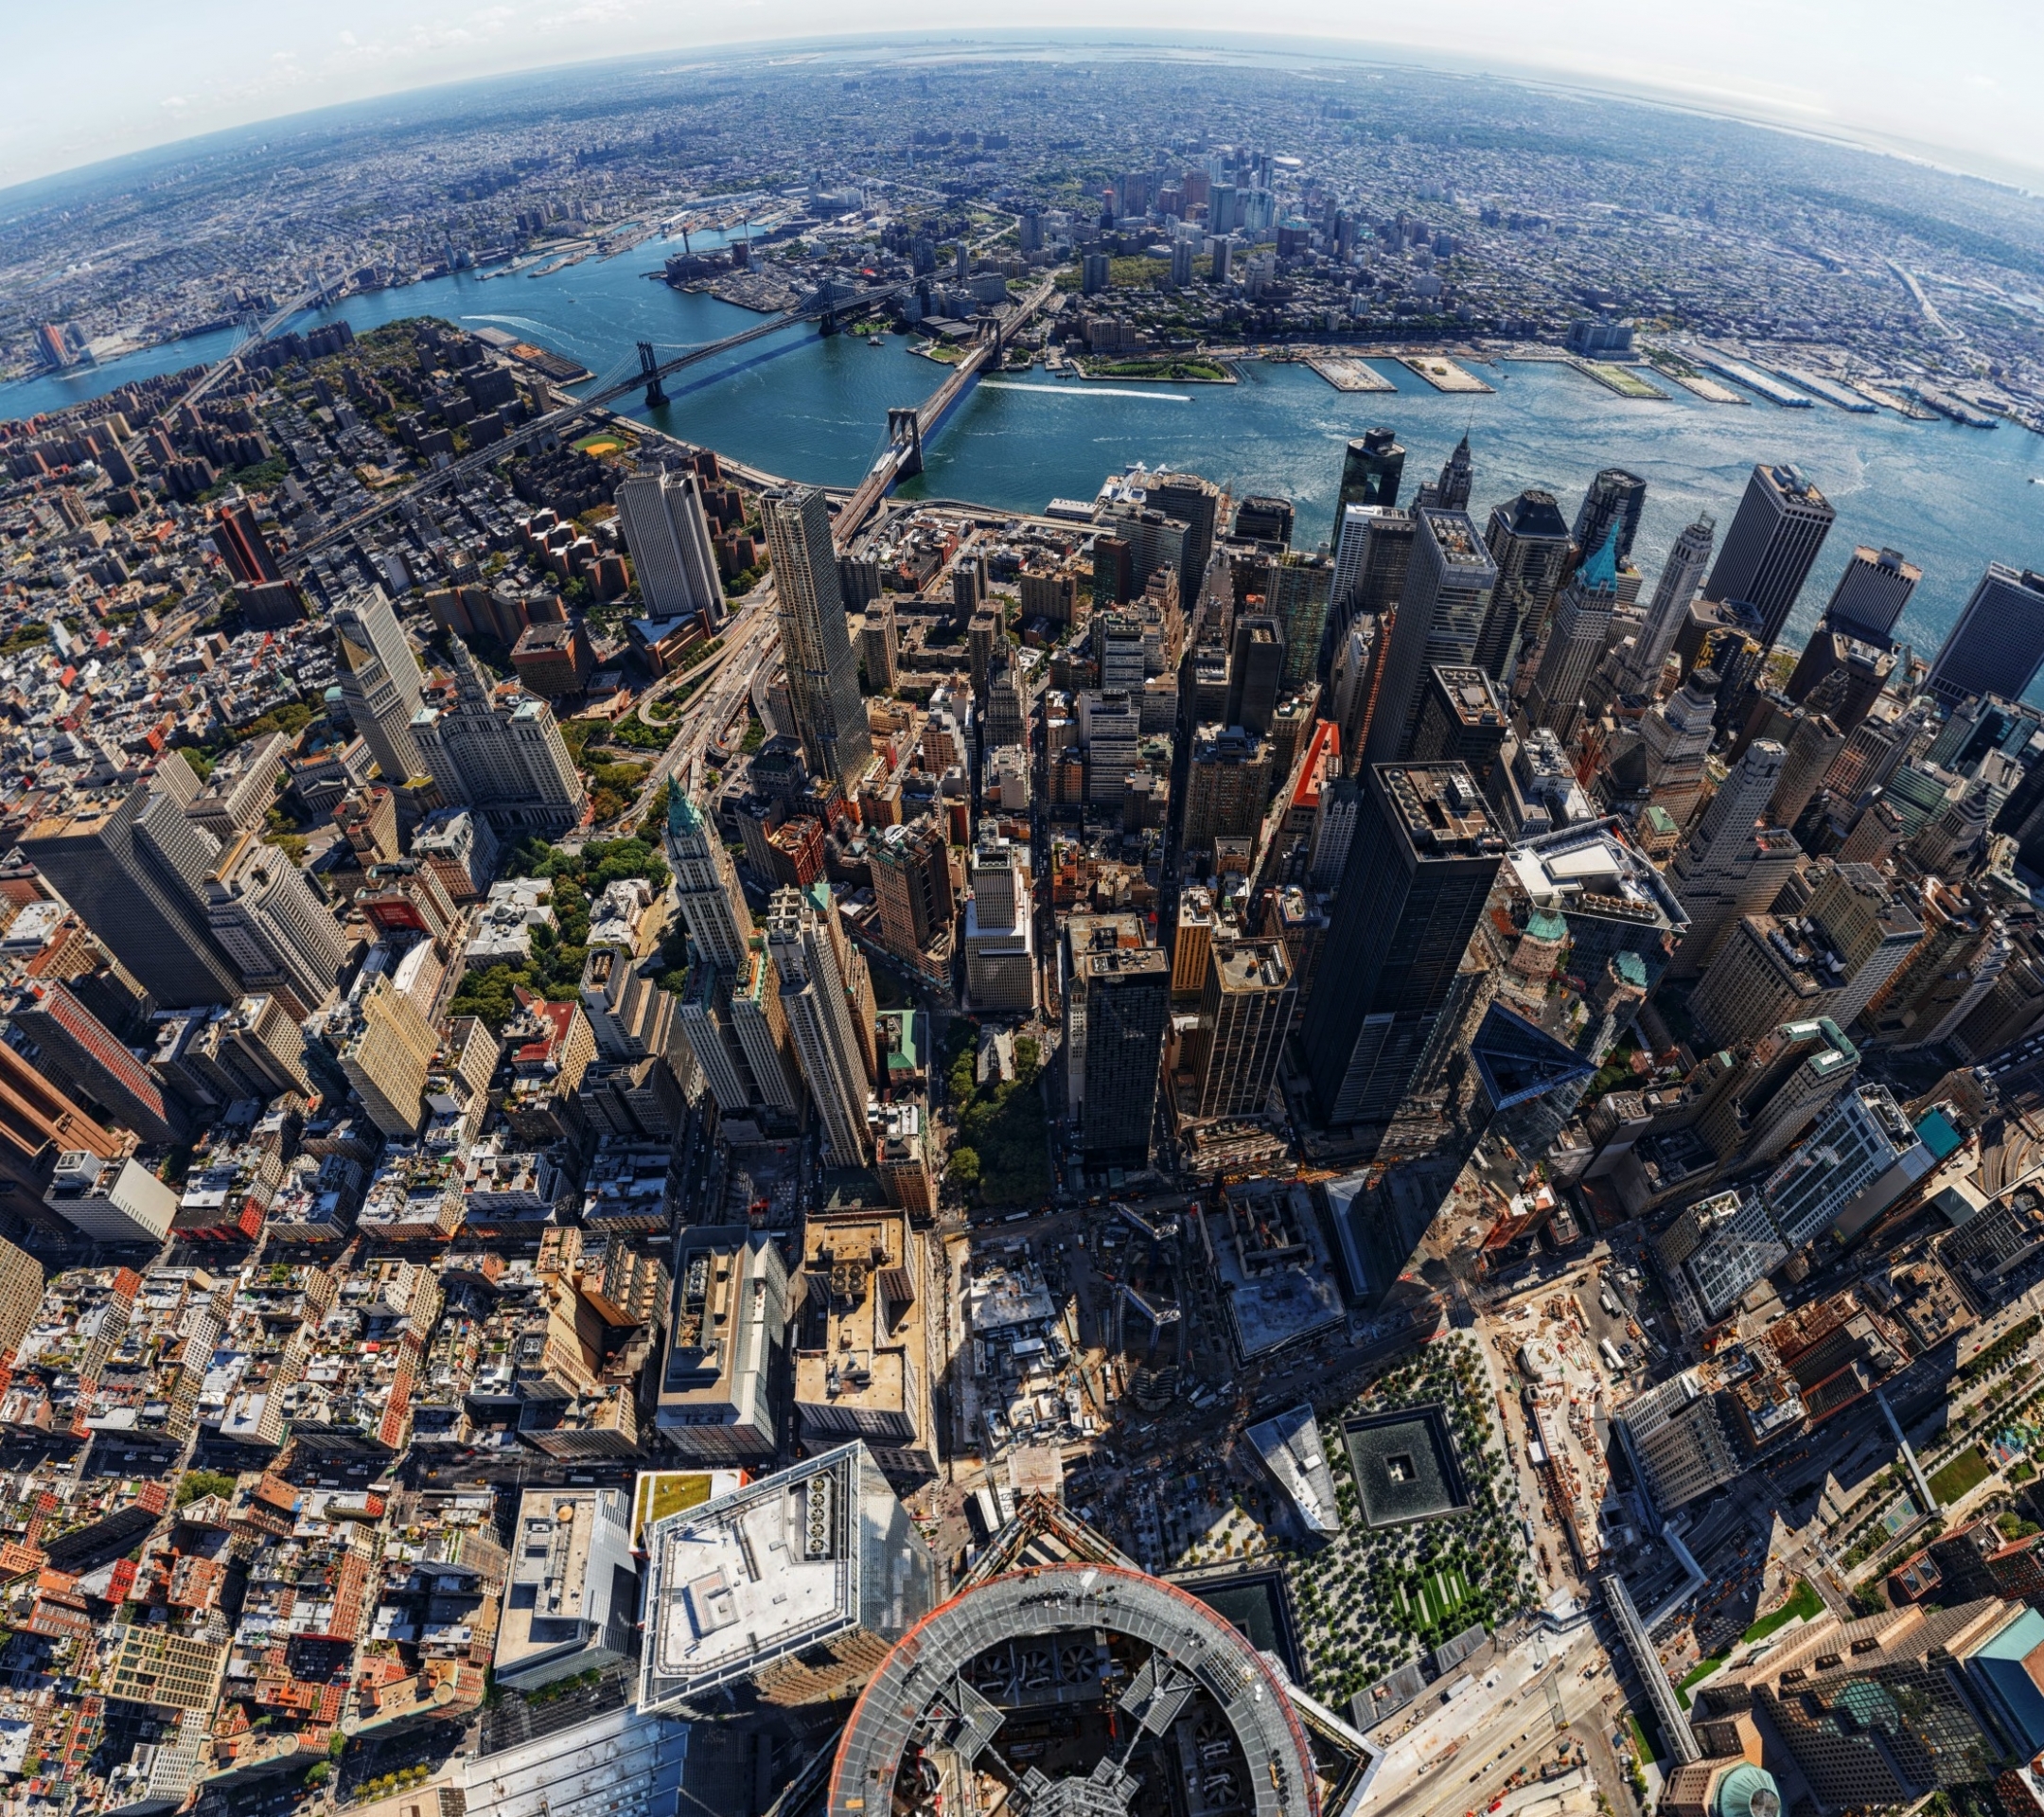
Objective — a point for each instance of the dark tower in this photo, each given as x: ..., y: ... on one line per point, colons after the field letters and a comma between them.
x: 1611, y: 507
x: 1372, y: 470
x: 1767, y: 552
x: 1424, y: 856
x: 1529, y: 541
x: 1256, y: 674
x: 1452, y: 490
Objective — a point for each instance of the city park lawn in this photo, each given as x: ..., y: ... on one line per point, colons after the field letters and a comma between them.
x: 1804, y: 1602
x: 1967, y: 1471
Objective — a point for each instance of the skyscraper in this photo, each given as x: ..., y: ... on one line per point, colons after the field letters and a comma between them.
x: 1682, y: 574
x: 760, y: 1023
x: 269, y: 920
x: 1574, y: 645
x: 667, y: 532
x: 1421, y: 866
x: 1733, y: 865
x: 1965, y: 946
x: 1609, y: 513
x: 1675, y: 738
x: 1371, y: 558
x: 1000, y: 954
x: 1465, y: 720
x: 387, y: 1050
x: 1451, y: 493
x: 1791, y: 1073
x: 1441, y: 616
x: 149, y: 911
x: 912, y: 877
x: 1116, y: 1010
x: 76, y: 1049
x: 39, y: 1122
x: 814, y: 1002
x: 503, y: 756
x: 1296, y: 595
x: 713, y: 903
x: 1350, y: 684
x: 1871, y: 594
x: 380, y: 681
x: 1227, y: 785
x: 1999, y: 640
x: 1529, y: 543
x: 1772, y: 546
x: 1256, y: 674
x: 1871, y: 929
x: 1245, y: 1017
x: 1194, y: 502
x: 243, y: 547
x: 823, y: 673
x: 1372, y: 470
x: 1858, y: 1160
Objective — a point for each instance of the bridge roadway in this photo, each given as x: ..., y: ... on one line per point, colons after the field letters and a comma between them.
x: 564, y: 418
x: 263, y: 330
x: 903, y: 456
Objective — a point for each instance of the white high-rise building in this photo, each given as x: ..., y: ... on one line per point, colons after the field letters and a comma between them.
x: 1861, y: 1157
x: 814, y: 998
x: 706, y: 883
x: 269, y: 920
x: 667, y: 532
x: 1001, y: 948
x: 507, y: 759
x: 380, y: 681
x: 1682, y: 576
x: 1733, y: 864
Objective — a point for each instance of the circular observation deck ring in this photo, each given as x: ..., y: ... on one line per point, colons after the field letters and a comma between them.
x: 907, y: 1698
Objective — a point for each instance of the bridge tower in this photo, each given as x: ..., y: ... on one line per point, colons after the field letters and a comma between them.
x: 649, y: 371
x: 827, y: 322
x: 905, y: 431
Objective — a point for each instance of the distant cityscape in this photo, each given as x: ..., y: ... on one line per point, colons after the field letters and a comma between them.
x: 676, y: 1138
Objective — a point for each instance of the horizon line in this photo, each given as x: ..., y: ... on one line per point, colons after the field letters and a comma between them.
x: 2007, y: 173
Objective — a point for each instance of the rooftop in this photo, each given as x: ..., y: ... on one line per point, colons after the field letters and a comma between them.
x: 1443, y: 814
x: 750, y: 1577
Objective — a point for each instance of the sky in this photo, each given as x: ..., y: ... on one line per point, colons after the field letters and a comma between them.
x: 1958, y: 80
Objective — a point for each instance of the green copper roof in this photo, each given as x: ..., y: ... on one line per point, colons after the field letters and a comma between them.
x: 1600, y: 572
x: 1747, y: 1791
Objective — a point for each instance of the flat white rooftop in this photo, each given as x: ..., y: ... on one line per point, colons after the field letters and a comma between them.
x: 752, y: 1576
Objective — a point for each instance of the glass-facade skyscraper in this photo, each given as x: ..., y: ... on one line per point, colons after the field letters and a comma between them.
x: 1420, y: 867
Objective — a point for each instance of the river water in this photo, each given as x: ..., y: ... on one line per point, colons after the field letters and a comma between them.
x: 815, y: 409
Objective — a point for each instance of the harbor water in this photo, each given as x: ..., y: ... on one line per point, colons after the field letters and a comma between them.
x: 814, y: 408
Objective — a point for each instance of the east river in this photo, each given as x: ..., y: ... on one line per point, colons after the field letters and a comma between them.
x: 814, y: 408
